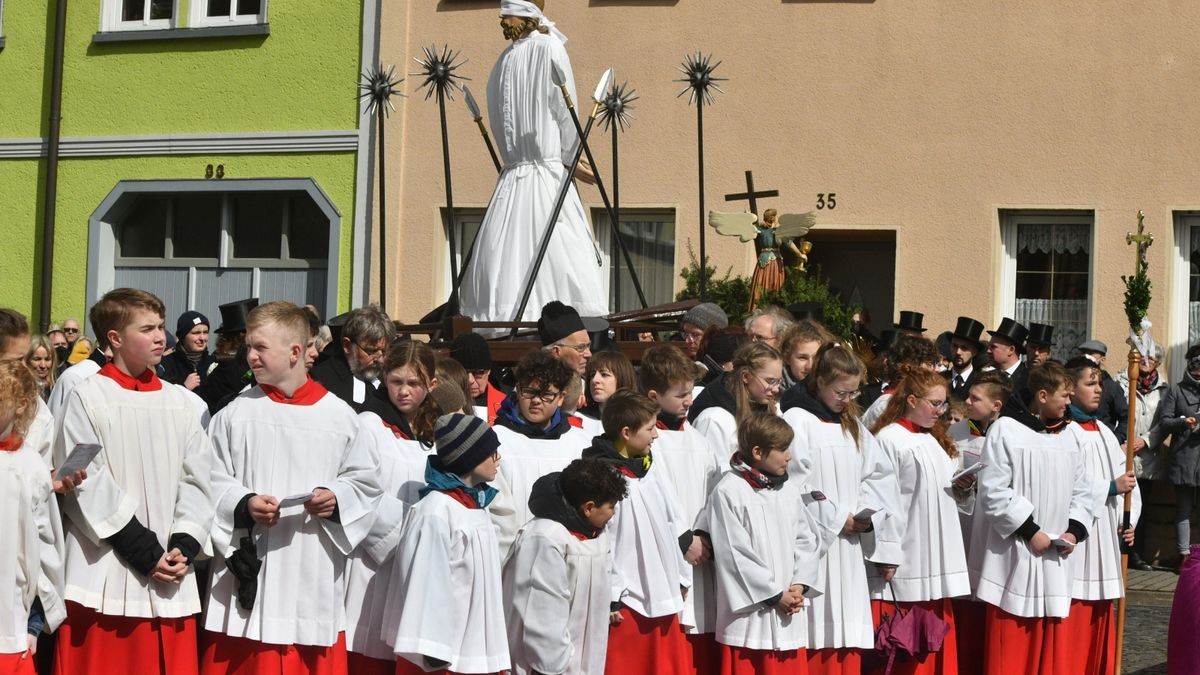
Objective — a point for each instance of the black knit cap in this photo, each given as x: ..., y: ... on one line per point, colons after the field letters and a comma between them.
x: 463, y: 442
x: 557, y: 322
x: 188, y: 321
x: 472, y: 351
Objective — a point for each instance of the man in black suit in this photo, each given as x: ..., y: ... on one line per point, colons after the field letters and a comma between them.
x: 1038, y: 344
x: 964, y: 349
x: 352, y: 368
x: 1004, y: 350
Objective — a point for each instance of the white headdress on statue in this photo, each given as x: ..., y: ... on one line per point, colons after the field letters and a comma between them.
x: 527, y: 9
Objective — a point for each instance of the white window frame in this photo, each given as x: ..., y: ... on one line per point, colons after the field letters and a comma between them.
x: 1010, y: 220
x: 664, y: 215
x: 467, y: 220
x: 198, y: 17
x: 110, y: 18
x: 1178, y: 319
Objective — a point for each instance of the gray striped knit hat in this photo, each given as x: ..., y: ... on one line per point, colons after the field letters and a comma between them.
x: 463, y: 442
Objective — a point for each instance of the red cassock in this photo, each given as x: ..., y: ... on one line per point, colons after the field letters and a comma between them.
x: 1091, y: 632
x: 969, y: 627
x: 406, y: 667
x: 365, y: 665
x: 91, y: 643
x: 652, y: 646
x: 706, y: 653
x: 1026, y: 645
x: 944, y: 662
x: 226, y: 655
x: 740, y: 661
x: 18, y: 664
x: 834, y: 661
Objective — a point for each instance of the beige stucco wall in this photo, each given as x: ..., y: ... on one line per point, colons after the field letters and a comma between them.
x: 924, y: 117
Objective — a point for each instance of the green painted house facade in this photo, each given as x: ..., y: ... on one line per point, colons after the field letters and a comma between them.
x: 211, y: 150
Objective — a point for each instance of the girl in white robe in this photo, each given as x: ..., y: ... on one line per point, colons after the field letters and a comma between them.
x: 31, y: 591
x: 933, y: 564
x: 1033, y: 492
x: 1096, y: 562
x: 559, y: 573
x: 395, y: 429
x: 766, y: 554
x: 445, y: 606
x: 850, y: 481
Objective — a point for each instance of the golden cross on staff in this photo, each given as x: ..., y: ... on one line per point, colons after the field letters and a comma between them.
x: 1140, y: 241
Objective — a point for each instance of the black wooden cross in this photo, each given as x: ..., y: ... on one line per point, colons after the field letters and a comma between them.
x: 750, y: 194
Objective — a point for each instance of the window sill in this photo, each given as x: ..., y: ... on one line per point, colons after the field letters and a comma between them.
x: 181, y: 33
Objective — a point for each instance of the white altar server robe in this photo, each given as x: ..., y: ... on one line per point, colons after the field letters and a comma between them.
x: 552, y: 577
x: 1096, y: 563
x: 764, y: 541
x: 154, y: 465
x: 523, y: 461
x: 66, y: 383
x: 400, y: 469
x: 933, y: 562
x: 446, y: 600
x: 535, y: 137
x: 650, y: 568
x: 1028, y: 473
x: 269, y: 448
x: 693, y: 471
x: 31, y: 560
x: 40, y: 436
x: 850, y: 477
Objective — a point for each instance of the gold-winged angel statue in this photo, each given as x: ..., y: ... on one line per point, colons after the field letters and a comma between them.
x: 773, y: 232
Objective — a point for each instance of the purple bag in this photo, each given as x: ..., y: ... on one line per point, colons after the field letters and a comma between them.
x: 1183, y: 645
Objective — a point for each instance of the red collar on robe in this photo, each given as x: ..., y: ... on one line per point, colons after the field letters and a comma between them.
x: 1090, y: 425
x: 889, y: 391
x: 397, y: 431
x: 12, y: 442
x: 911, y: 426
x: 575, y: 421
x: 460, y: 495
x: 147, y: 381
x: 307, y: 394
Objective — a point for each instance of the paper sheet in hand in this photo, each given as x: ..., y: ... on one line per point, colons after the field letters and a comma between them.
x: 1059, y: 541
x: 80, y: 457
x: 969, y: 471
x: 865, y: 514
x: 295, y: 500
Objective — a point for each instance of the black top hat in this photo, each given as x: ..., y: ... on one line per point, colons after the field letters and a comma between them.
x: 808, y: 310
x: 1011, y: 331
x: 968, y: 329
x: 233, y: 315
x: 1040, y: 334
x: 911, y: 321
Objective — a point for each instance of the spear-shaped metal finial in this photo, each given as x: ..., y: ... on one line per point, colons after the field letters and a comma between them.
x: 438, y: 69
x: 698, y: 75
x: 617, y: 106
x: 602, y: 86
x: 472, y: 106
x: 378, y: 87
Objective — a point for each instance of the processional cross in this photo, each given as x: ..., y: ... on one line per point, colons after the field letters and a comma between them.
x: 750, y: 195
x: 1141, y: 239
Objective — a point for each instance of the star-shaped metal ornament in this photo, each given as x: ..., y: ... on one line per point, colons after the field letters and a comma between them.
x: 438, y: 70
x: 378, y: 87
x: 698, y: 74
x: 618, y: 106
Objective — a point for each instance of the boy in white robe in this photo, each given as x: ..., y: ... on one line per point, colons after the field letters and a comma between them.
x: 559, y: 572
x: 766, y: 553
x: 31, y: 559
x: 1096, y: 562
x: 650, y: 538
x: 537, y: 438
x: 293, y: 496
x: 985, y: 399
x: 446, y: 589
x: 666, y: 377
x: 1033, y: 503
x: 134, y: 528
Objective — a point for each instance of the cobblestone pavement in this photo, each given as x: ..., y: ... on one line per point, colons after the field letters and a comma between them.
x: 1146, y: 639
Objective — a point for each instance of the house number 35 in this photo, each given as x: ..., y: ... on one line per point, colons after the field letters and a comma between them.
x: 827, y: 200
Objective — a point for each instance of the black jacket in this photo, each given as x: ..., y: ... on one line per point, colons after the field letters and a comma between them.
x: 334, y: 374
x: 1114, y: 406
x: 225, y: 382
x: 177, y: 367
